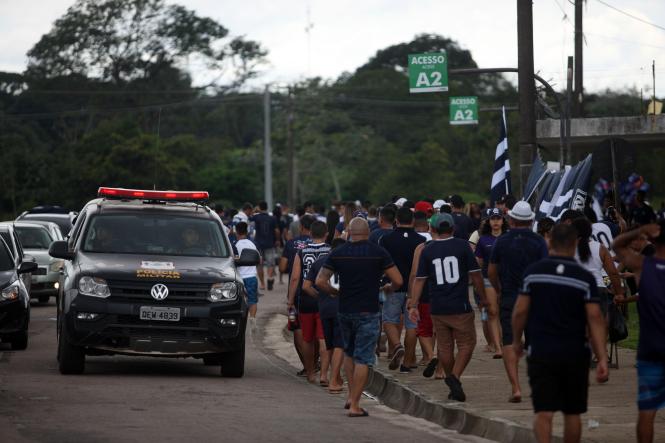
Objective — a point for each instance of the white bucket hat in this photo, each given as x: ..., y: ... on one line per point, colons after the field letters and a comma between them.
x: 522, y: 211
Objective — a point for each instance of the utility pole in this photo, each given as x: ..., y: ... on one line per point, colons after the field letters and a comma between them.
x: 290, y: 164
x: 579, y: 61
x: 527, y: 88
x: 569, y: 99
x: 267, y: 149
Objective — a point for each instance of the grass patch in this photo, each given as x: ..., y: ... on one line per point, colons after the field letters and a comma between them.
x: 633, y: 328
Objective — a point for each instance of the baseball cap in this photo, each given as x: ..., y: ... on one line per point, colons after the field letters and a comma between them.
x: 492, y: 212
x: 522, y: 211
x: 400, y: 201
x: 438, y: 204
x: 440, y: 220
x: 425, y: 207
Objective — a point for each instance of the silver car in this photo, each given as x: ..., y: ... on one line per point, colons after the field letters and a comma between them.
x: 36, y: 238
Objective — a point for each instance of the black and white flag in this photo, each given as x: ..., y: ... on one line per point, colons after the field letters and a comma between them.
x: 501, y: 177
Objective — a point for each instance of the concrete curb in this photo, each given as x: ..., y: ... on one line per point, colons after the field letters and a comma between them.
x: 407, y: 401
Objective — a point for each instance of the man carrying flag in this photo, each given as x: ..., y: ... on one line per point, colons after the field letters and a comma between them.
x: 501, y: 177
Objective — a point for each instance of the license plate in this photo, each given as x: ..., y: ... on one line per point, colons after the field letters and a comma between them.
x: 159, y: 313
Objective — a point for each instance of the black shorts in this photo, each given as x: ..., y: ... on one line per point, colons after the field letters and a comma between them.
x: 332, y: 333
x: 559, y: 385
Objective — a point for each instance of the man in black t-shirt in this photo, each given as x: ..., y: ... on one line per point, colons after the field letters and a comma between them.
x: 360, y: 266
x: 266, y: 238
x: 446, y: 265
x: 463, y: 223
x: 557, y: 302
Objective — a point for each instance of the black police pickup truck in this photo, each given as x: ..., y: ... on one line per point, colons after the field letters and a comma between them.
x: 151, y: 273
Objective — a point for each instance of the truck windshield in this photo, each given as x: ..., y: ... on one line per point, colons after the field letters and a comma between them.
x: 156, y: 234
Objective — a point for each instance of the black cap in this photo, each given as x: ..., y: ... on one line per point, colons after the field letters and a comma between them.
x: 456, y: 200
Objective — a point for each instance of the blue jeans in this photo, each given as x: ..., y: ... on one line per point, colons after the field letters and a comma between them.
x: 360, y: 332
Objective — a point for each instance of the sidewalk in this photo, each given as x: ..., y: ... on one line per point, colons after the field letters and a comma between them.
x: 611, y: 417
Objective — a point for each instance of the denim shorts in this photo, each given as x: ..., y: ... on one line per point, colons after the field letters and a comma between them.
x: 651, y: 385
x: 251, y: 286
x: 394, y: 307
x: 360, y: 332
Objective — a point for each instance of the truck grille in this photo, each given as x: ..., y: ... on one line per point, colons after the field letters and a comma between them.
x: 179, y: 293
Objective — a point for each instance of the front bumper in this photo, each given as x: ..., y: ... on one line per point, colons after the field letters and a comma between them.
x: 118, y: 328
x: 14, y: 316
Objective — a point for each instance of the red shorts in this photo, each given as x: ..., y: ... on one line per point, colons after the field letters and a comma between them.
x: 425, y: 327
x: 311, y: 326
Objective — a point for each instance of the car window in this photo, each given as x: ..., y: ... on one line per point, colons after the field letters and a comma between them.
x: 76, y: 230
x: 34, y: 237
x: 6, y: 259
x: 8, y: 240
x: 62, y: 221
x: 155, y: 234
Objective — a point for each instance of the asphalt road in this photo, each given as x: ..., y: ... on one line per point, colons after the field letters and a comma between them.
x: 147, y: 399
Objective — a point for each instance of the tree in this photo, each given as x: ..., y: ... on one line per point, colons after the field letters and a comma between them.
x: 124, y: 40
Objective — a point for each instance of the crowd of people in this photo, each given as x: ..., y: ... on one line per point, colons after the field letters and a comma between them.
x: 367, y: 282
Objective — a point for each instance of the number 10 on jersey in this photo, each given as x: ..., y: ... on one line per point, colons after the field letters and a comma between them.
x: 446, y: 270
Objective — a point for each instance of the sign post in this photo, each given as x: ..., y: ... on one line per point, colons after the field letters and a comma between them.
x: 428, y: 72
x: 463, y: 110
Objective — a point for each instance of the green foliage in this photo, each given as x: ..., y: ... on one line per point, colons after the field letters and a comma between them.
x: 122, y: 40
x: 104, y: 102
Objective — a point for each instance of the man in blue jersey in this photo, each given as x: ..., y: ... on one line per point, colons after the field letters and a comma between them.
x: 558, y: 303
x: 360, y: 265
x: 446, y: 265
x: 513, y: 252
x: 650, y: 275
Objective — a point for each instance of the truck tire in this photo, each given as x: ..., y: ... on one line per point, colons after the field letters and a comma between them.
x: 71, y: 359
x: 19, y: 340
x: 233, y: 363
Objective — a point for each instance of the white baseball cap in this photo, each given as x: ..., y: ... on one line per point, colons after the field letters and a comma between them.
x: 439, y: 203
x: 521, y: 211
x: 400, y: 202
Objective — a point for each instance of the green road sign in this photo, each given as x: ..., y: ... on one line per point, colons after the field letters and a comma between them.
x: 463, y: 110
x: 428, y: 72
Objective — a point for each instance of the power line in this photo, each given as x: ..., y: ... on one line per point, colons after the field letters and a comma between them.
x: 627, y: 14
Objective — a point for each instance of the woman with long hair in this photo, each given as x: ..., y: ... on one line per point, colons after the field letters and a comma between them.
x: 332, y: 219
x: 595, y: 258
x: 493, y: 226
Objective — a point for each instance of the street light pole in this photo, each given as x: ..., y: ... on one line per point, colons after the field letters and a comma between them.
x: 267, y: 149
x: 526, y: 87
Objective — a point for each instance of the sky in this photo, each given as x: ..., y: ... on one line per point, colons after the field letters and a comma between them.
x: 344, y: 34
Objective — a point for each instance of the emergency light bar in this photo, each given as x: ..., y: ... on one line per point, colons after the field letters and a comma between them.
x: 181, y: 196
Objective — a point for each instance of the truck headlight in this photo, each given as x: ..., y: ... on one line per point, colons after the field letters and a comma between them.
x: 10, y: 292
x: 223, y: 291
x: 94, y: 287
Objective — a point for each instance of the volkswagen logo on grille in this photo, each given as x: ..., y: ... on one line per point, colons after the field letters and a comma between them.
x: 159, y: 291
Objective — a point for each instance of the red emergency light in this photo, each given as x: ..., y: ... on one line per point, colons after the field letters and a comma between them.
x: 182, y: 196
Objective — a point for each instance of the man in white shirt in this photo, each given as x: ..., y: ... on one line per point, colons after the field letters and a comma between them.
x: 248, y: 273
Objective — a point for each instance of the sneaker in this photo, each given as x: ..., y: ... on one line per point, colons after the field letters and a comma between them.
x: 252, y: 324
x: 404, y: 369
x: 271, y: 283
x: 456, y: 391
x: 396, y: 359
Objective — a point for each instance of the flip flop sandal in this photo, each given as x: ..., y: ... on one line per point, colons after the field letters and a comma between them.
x: 324, y: 384
x: 364, y: 413
x: 347, y: 405
x: 515, y: 399
x: 335, y: 391
x: 431, y: 367
x: 497, y: 356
